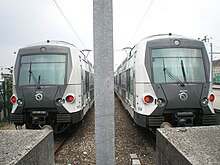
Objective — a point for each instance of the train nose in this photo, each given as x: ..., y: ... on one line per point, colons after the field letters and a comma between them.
x: 35, y: 98
x: 182, y: 97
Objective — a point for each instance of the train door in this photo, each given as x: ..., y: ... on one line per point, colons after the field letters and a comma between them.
x: 129, y: 79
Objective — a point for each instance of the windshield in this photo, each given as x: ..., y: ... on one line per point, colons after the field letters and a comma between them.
x: 179, y: 65
x: 47, y: 69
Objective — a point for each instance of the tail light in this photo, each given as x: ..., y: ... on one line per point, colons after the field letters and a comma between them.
x: 70, y: 98
x: 148, y: 99
x: 13, y: 99
x: 211, y: 98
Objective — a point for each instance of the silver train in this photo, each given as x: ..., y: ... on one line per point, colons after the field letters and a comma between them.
x: 167, y: 78
x: 53, y: 85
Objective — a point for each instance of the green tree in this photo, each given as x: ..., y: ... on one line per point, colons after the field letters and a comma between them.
x: 6, y: 92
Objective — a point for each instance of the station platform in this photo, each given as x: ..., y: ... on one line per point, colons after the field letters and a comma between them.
x: 216, y: 92
x: 188, y: 145
x: 22, y: 147
x: 215, y: 86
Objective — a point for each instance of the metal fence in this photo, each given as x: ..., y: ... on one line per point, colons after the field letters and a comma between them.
x: 5, y: 95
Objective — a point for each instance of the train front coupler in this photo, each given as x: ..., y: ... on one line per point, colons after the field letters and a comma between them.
x: 39, y: 117
x: 183, y: 119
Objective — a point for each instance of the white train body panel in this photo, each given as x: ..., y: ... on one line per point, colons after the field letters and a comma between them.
x: 143, y: 85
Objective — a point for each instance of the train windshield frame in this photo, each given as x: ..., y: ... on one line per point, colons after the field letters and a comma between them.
x: 42, y: 69
x: 178, y: 65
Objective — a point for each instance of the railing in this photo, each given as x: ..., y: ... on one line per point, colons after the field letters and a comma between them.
x: 5, y: 94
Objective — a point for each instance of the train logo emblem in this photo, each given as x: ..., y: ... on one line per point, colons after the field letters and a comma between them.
x: 38, y: 96
x: 183, y: 95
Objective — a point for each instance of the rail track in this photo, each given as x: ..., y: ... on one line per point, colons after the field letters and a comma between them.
x: 79, y: 147
x: 59, y: 141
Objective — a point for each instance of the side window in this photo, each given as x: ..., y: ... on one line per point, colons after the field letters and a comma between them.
x: 128, y: 79
x: 124, y: 81
x: 91, y: 81
x: 84, y: 82
x: 117, y: 79
x: 87, y: 81
x: 131, y: 81
x: 120, y: 79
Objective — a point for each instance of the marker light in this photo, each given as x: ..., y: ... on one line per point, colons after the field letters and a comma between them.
x: 176, y: 42
x: 70, y: 98
x: 211, y: 97
x: 148, y: 99
x: 13, y: 99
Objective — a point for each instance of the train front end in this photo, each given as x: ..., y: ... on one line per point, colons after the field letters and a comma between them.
x: 40, y: 81
x: 179, y: 71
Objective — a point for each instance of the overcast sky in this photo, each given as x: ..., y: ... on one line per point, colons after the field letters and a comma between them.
x: 24, y: 22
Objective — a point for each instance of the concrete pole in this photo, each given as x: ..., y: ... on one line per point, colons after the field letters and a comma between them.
x: 104, y: 82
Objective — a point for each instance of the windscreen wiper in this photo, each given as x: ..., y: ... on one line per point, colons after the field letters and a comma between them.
x: 173, y: 77
x: 183, y: 71
x: 38, y: 83
x: 30, y: 72
x: 31, y: 75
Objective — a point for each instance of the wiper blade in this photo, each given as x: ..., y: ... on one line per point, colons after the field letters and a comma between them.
x: 183, y: 71
x: 30, y: 72
x: 173, y: 77
x: 31, y: 75
x: 38, y: 83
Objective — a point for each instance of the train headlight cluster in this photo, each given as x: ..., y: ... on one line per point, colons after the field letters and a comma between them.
x: 69, y: 99
x: 211, y: 98
x: 15, y: 100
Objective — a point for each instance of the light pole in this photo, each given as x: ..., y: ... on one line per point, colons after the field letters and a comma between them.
x: 104, y: 82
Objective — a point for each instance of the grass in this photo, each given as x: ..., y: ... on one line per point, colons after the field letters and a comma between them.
x: 3, y: 122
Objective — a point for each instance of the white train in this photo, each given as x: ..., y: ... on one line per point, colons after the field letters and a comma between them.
x: 167, y: 78
x: 52, y: 84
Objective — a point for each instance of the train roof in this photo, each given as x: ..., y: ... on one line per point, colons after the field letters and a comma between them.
x: 164, y: 36
x: 52, y: 42
x: 58, y: 43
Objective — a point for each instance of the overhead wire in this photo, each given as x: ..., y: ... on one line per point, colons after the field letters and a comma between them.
x: 69, y: 23
x: 139, y: 25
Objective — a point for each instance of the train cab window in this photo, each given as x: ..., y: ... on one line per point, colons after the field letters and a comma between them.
x: 48, y: 69
x: 172, y: 65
